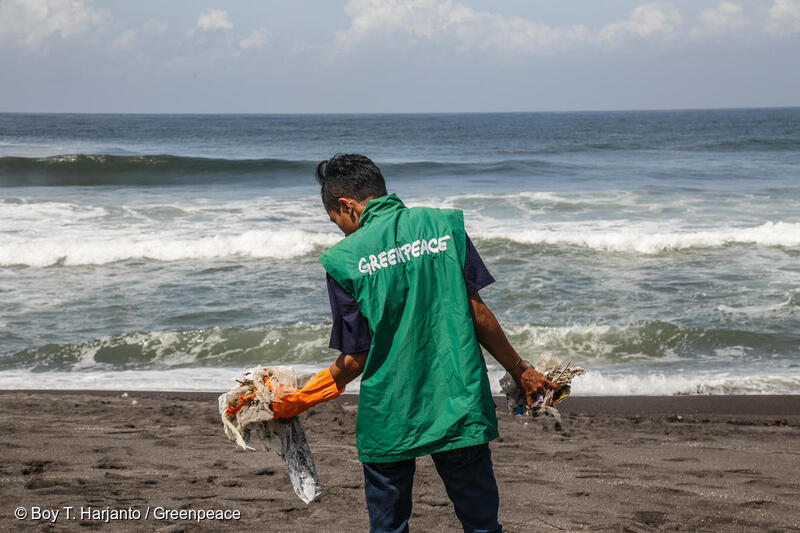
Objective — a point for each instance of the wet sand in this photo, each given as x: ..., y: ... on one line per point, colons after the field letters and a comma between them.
x: 697, y: 463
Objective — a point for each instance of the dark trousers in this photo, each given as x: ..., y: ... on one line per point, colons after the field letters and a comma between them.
x: 468, y: 478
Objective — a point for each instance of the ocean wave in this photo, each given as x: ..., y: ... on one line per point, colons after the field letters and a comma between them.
x: 505, y: 167
x: 279, y: 243
x: 210, y: 347
x: 219, y: 379
x: 577, y: 148
x: 172, y: 170
x: 658, y: 384
x: 657, y: 145
x: 105, y: 169
x: 790, y: 303
x: 206, y: 379
x: 653, y: 343
x: 784, y: 234
x: 759, y: 144
x: 650, y: 340
x: 603, y: 199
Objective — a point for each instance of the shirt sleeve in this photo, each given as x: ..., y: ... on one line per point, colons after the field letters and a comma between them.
x: 476, y: 275
x: 350, y: 332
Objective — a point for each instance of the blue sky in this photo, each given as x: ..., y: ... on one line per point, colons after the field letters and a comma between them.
x: 364, y: 56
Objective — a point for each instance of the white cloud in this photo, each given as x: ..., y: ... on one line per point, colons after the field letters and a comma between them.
x: 713, y: 22
x: 132, y: 36
x: 452, y: 23
x: 214, y: 19
x: 124, y: 40
x: 155, y: 27
x: 32, y: 21
x: 784, y: 18
x: 257, y: 39
x: 644, y: 21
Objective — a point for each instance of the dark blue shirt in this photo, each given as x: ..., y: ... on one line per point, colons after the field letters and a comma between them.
x: 350, y: 333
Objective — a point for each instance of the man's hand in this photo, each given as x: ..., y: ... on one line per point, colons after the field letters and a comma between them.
x: 532, y: 382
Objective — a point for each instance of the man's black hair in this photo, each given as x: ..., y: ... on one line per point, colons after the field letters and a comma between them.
x: 349, y: 176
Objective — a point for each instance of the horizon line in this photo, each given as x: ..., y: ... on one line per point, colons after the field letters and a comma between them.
x: 368, y: 113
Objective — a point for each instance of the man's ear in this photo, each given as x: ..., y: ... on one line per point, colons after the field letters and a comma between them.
x: 344, y: 203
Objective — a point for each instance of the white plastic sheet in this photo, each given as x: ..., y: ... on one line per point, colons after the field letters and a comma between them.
x: 253, y: 427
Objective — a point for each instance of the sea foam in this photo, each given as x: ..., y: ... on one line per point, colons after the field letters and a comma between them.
x: 658, y: 384
x: 105, y: 246
x: 280, y: 243
x: 632, y: 239
x: 217, y: 379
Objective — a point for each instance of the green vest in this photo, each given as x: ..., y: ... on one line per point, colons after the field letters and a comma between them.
x: 424, y: 388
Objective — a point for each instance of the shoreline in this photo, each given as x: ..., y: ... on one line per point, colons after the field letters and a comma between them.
x: 745, y: 404
x: 678, y: 463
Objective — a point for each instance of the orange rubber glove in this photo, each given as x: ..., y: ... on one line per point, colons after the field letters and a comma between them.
x: 319, y: 389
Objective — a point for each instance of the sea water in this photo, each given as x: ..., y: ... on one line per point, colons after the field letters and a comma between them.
x: 659, y: 250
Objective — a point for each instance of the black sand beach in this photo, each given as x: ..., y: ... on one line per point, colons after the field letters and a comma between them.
x: 694, y: 463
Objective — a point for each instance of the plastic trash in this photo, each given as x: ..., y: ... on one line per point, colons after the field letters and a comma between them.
x: 248, y: 420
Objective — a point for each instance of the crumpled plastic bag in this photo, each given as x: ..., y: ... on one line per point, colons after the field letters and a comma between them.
x: 248, y: 420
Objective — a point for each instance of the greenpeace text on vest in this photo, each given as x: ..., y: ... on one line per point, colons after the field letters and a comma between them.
x: 402, y: 254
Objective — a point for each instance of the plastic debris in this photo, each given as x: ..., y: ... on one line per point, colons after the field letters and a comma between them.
x: 248, y: 420
x: 545, y: 404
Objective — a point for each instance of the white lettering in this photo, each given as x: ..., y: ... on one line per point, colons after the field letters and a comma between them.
x: 37, y: 513
x: 363, y: 266
x: 402, y: 254
x: 160, y: 513
x: 423, y: 249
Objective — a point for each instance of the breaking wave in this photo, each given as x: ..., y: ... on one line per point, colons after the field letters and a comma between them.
x: 653, y: 341
x: 280, y: 243
x: 212, y: 347
x: 785, y: 234
x: 219, y: 379
x: 657, y: 384
x: 106, y: 247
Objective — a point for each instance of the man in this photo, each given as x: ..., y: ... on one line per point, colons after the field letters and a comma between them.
x: 403, y: 286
